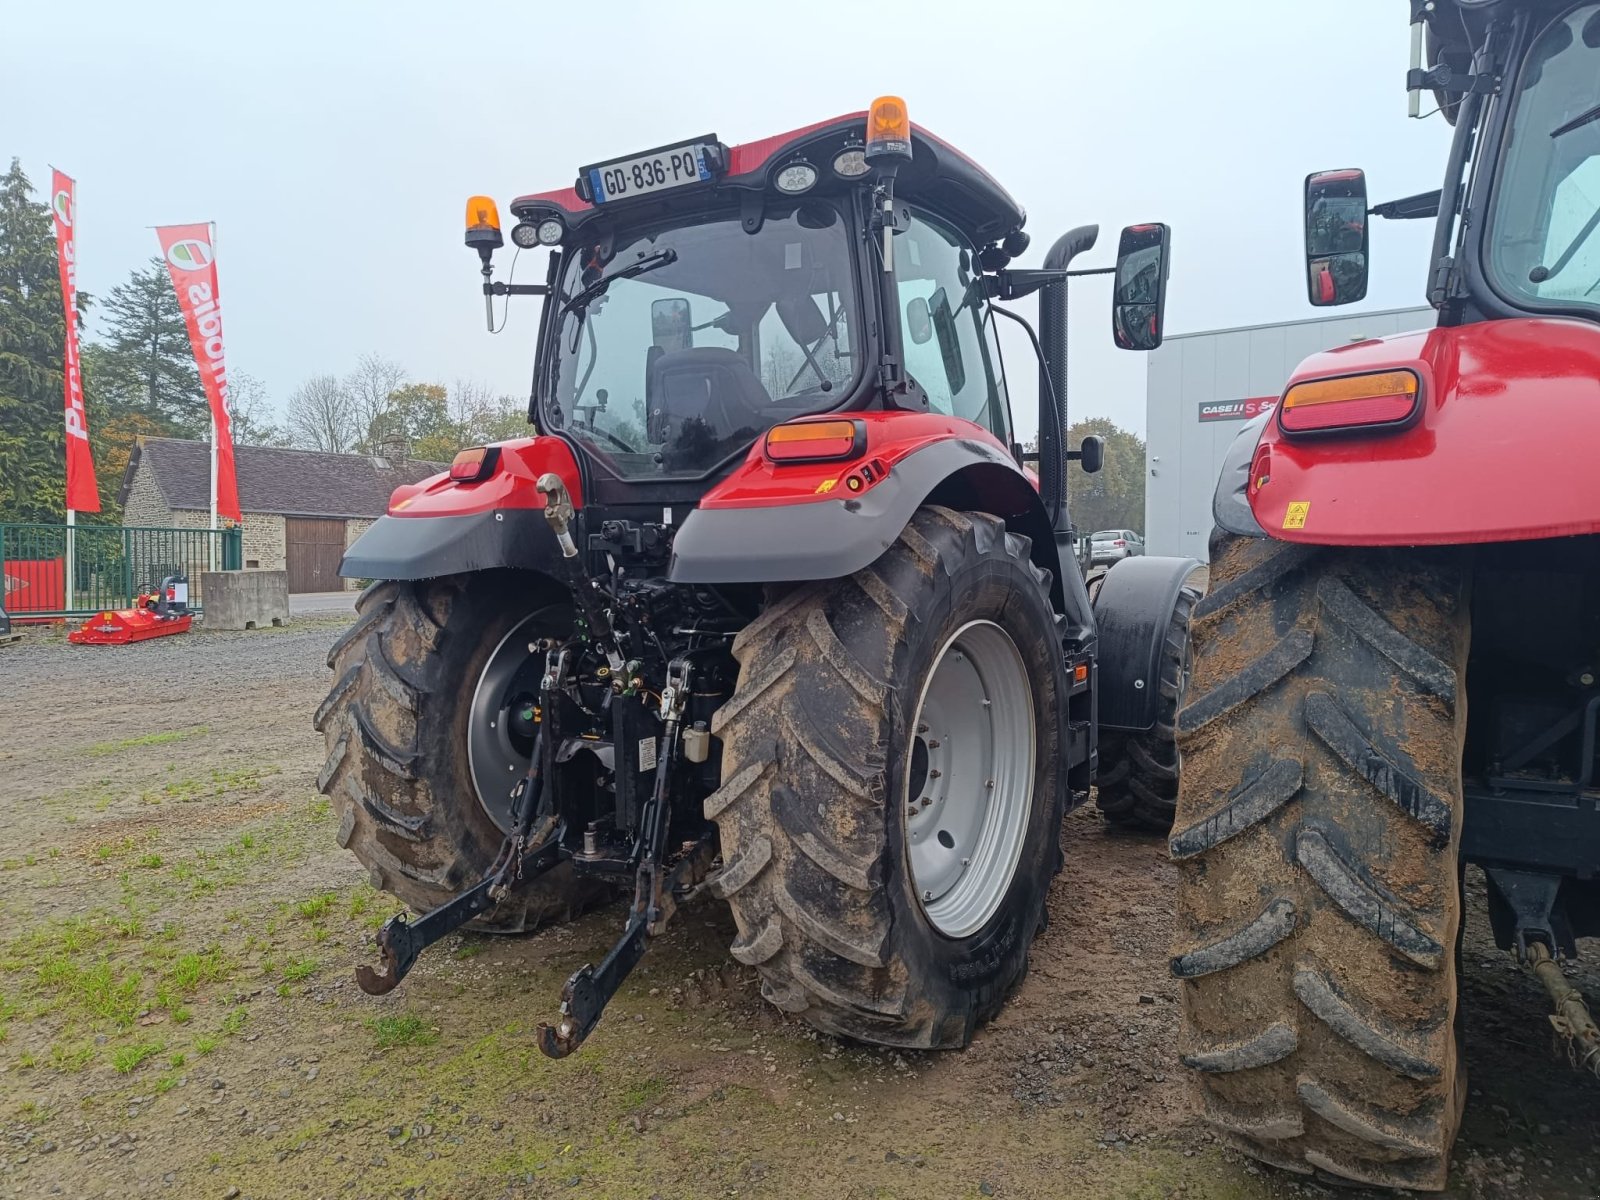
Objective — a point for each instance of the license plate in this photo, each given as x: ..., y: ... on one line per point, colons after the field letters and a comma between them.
x: 658, y: 171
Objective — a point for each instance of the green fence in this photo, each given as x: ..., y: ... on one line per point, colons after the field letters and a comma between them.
x: 57, y: 571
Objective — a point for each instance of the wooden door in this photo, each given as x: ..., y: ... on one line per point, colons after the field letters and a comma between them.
x: 313, y: 547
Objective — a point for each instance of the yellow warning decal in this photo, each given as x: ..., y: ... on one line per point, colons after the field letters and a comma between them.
x: 1295, y: 517
x: 827, y: 485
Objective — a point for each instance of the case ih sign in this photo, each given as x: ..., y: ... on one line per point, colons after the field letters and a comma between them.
x: 1235, y: 410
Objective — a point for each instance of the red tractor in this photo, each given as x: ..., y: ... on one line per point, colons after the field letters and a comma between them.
x: 1397, y: 665
x: 769, y: 606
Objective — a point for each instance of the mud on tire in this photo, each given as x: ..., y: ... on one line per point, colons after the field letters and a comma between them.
x: 815, y: 759
x: 1316, y: 836
x: 395, y: 725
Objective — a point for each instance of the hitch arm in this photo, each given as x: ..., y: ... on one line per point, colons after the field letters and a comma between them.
x: 400, y: 940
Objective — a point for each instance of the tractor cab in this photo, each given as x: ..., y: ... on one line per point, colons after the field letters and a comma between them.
x: 698, y: 295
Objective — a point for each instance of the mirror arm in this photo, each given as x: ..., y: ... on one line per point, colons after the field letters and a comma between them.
x: 515, y: 289
x: 1014, y: 284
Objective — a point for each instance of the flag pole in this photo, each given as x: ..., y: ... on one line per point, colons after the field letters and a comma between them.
x: 72, y: 538
x: 213, y: 538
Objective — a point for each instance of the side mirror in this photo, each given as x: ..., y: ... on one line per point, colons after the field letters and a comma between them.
x: 671, y: 325
x: 1336, y: 237
x: 919, y: 321
x: 1139, y: 297
x: 1092, y: 453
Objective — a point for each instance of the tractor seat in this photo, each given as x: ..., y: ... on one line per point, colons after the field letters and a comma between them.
x: 707, y: 393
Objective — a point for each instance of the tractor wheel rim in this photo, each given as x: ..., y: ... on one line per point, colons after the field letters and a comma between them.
x: 499, y: 739
x: 969, y: 778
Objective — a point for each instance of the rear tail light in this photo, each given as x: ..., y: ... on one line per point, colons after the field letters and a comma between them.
x: 1384, y: 398
x: 816, y: 441
x: 473, y: 464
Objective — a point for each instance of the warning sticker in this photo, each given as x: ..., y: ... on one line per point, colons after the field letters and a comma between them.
x: 647, y: 754
x: 1295, y: 517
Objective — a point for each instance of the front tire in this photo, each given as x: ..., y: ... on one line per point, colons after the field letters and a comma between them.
x: 1316, y: 842
x: 831, y: 808
x: 399, y: 728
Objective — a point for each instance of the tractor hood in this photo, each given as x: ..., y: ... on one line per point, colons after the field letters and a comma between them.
x: 1502, y: 448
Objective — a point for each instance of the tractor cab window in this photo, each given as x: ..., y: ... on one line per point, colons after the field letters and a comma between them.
x: 950, y: 348
x: 678, y: 345
x: 1544, y: 233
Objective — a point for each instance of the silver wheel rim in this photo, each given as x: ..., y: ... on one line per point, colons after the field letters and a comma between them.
x: 969, y: 778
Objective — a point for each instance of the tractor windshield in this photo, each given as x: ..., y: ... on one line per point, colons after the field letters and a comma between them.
x: 1544, y: 232
x: 677, y: 345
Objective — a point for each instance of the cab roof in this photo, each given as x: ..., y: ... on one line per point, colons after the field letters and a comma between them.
x: 938, y: 175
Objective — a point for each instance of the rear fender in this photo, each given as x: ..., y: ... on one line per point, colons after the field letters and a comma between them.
x: 1133, y: 610
x: 820, y: 537
x: 441, y: 527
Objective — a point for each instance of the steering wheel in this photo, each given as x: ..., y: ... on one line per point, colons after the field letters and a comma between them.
x: 610, y: 437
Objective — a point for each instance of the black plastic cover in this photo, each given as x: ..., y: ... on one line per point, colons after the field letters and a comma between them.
x: 1230, y: 507
x: 1133, y: 610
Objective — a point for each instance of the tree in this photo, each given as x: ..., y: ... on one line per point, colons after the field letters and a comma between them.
x: 150, y: 366
x: 322, y: 416
x: 32, y: 344
x: 371, y: 387
x: 1113, y: 497
x: 251, y: 414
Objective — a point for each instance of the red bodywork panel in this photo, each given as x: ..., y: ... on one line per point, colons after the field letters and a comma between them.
x: 510, y: 486
x: 757, y: 482
x: 1503, y: 449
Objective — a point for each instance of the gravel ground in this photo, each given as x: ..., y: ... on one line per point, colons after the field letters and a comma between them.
x: 177, y: 1015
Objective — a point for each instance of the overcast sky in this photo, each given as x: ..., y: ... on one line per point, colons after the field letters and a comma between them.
x: 335, y: 143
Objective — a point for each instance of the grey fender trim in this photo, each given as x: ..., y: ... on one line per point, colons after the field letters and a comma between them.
x: 1229, y: 507
x: 428, y: 547
x: 1133, y: 609
x: 829, y: 539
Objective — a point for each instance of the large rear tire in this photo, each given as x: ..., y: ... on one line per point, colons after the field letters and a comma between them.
x: 853, y: 758
x: 397, y: 725
x: 1316, y: 843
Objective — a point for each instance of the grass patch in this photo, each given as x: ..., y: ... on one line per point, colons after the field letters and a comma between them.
x: 404, y: 1030
x: 99, y: 990
x: 71, y: 1058
x: 234, y: 1022
x: 165, y: 1084
x: 190, y: 970
x: 205, y: 1044
x: 315, y: 908
x: 301, y: 969
x: 127, y: 1058
x: 102, y: 749
x: 150, y: 862
x: 469, y: 950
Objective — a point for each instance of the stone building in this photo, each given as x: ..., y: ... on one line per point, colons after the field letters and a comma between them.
x: 301, y: 508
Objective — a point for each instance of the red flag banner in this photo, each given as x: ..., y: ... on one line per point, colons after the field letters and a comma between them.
x: 83, y: 493
x: 187, y: 249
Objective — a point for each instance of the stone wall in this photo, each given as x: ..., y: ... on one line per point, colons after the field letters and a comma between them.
x: 146, y: 505
x: 354, y: 528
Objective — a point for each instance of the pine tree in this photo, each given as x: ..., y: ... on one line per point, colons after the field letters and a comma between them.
x: 32, y: 342
x: 149, y: 364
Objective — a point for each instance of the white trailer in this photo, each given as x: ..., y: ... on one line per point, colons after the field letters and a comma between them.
x: 1200, y: 388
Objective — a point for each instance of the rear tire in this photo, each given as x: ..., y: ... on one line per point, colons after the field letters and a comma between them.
x: 396, y: 728
x: 819, y: 755
x: 1316, y: 843
x: 1139, y: 789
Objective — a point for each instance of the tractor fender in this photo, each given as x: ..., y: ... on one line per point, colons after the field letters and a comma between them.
x: 827, y: 538
x: 1133, y: 611
x: 1230, y: 507
x: 443, y: 527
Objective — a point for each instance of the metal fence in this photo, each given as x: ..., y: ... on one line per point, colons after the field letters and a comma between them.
x: 74, y: 571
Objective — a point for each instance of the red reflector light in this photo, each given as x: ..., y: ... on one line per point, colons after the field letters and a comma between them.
x: 1119, y: 542
x: 472, y: 464
x: 813, y: 441
x: 1351, y: 402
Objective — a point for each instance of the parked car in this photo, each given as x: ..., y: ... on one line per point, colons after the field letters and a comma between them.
x: 1109, y: 545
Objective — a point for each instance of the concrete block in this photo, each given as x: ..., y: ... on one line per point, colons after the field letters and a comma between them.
x: 244, y: 599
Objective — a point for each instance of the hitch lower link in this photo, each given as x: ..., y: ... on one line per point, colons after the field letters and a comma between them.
x: 656, y: 890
